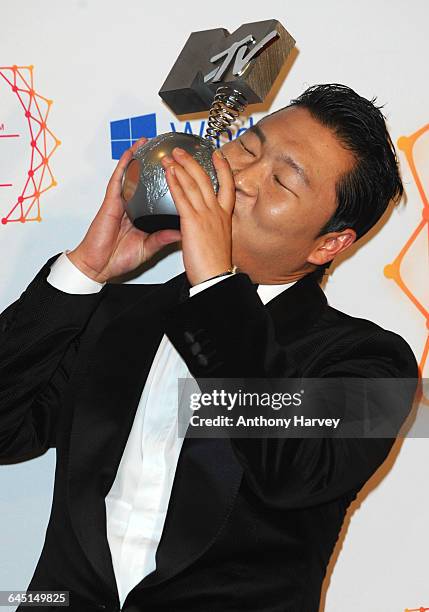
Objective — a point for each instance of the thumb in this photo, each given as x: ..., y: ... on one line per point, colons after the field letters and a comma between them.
x: 154, y: 242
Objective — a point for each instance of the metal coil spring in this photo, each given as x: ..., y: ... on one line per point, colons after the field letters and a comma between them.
x: 227, y: 105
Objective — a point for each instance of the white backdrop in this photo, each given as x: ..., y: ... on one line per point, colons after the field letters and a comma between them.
x: 102, y: 61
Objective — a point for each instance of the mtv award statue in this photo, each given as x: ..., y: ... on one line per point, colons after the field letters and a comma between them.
x: 217, y: 72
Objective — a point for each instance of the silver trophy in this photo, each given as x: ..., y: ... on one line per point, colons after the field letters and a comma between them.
x: 217, y: 72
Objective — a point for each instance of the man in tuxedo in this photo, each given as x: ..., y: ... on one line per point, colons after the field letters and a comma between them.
x: 141, y: 519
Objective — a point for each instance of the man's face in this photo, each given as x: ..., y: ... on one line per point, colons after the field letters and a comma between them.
x: 285, y: 170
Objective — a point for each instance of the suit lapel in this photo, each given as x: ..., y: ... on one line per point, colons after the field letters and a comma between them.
x: 207, y: 481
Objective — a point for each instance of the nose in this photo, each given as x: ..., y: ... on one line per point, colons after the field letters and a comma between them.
x: 245, y: 181
x: 247, y: 173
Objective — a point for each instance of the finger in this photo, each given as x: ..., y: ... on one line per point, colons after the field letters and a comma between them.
x: 181, y: 189
x: 198, y: 174
x: 114, y: 186
x: 183, y: 205
x: 167, y: 161
x: 190, y: 188
x: 139, y: 143
x: 226, y: 193
x: 154, y: 242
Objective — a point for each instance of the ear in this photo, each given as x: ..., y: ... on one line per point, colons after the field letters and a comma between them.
x: 330, y: 245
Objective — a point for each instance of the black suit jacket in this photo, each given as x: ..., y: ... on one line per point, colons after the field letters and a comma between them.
x: 251, y: 524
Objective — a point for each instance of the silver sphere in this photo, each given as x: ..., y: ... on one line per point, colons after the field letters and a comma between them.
x: 148, y: 201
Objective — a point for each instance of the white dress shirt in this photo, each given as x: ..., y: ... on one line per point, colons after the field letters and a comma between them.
x: 136, y: 505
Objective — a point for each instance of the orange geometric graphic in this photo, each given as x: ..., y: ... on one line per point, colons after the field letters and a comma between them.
x: 43, y: 143
x: 416, y: 609
x: 393, y: 270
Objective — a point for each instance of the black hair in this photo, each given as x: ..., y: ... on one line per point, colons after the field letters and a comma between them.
x: 363, y: 193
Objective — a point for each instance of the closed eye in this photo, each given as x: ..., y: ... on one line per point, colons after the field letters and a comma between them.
x: 276, y: 178
x: 245, y: 148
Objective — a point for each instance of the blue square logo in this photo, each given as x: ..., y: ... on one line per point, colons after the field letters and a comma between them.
x: 120, y: 130
x: 119, y: 147
x: 125, y: 132
x: 143, y: 126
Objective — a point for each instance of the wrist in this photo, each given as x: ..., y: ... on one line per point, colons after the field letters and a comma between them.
x: 226, y: 272
x: 83, y: 267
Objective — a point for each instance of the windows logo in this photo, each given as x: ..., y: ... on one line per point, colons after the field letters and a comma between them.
x: 125, y: 132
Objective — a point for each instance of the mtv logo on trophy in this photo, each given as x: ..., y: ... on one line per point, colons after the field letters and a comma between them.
x: 217, y: 72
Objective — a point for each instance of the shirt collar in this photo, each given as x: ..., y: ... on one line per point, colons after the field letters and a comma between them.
x: 268, y: 292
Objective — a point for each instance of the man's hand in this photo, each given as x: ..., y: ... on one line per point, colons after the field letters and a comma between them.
x: 205, y: 218
x: 112, y: 245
